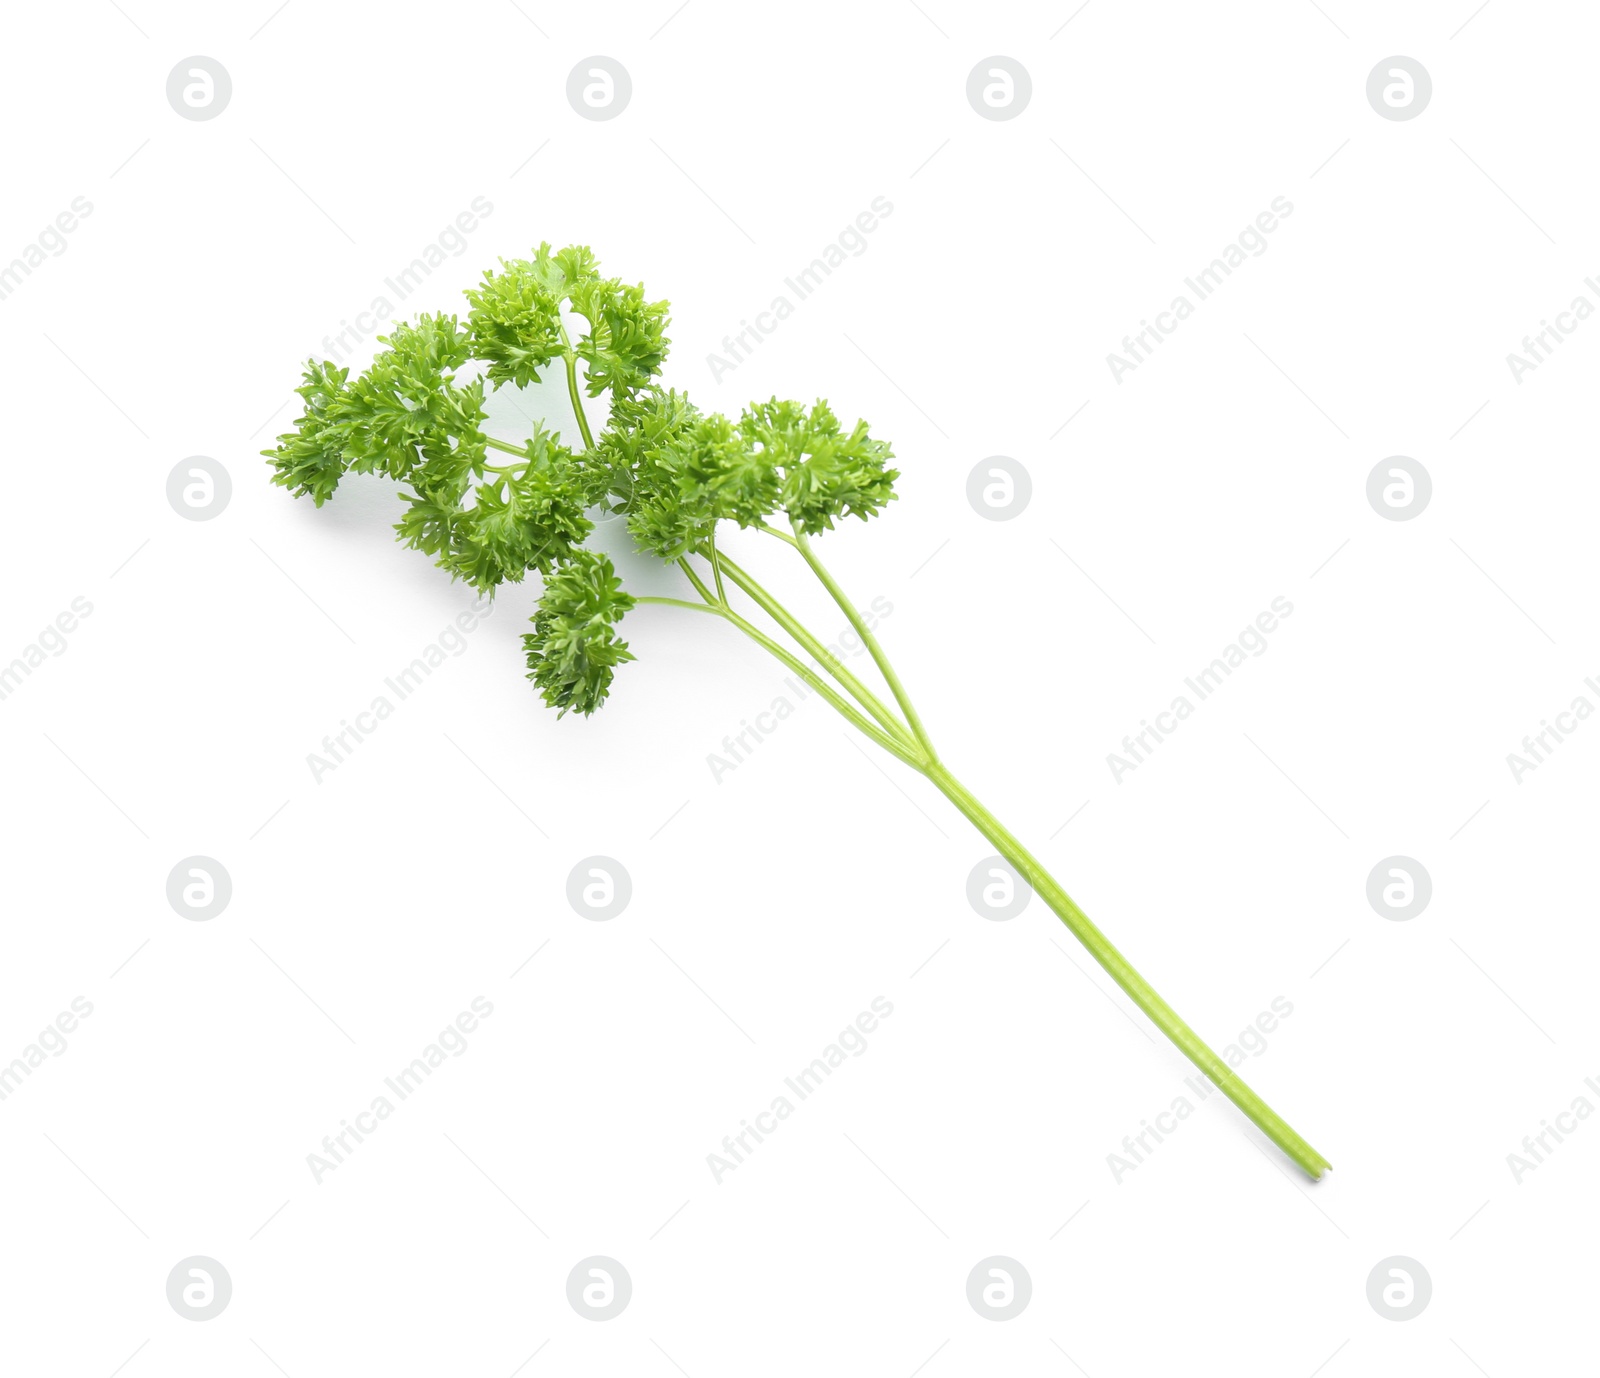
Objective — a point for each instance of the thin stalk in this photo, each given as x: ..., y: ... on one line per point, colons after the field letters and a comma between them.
x: 1140, y: 991
x: 783, y: 536
x: 923, y: 760
x: 521, y: 451
x: 678, y: 603
x: 572, y: 387
x: 813, y: 647
x: 821, y: 686
x: 699, y: 584
x: 881, y: 660
x: 841, y: 705
x: 716, y: 566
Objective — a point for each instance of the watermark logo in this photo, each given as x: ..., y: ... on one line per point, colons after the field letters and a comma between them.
x: 738, y: 747
x: 51, y: 1041
x: 999, y: 88
x: 1399, y: 888
x: 1538, y: 746
x: 198, y: 488
x: 599, y: 1288
x: 1251, y: 1041
x: 1537, y: 1147
x: 199, y: 888
x: 999, y: 1288
x: 51, y: 241
x: 199, y: 88
x: 1542, y: 343
x: 51, y: 640
x: 599, y: 88
x: 342, y: 345
x: 995, y: 890
x: 1251, y: 242
x: 850, y: 1042
x: 449, y: 644
x: 1399, y: 488
x: 199, y: 1288
x: 998, y: 488
x: 850, y: 242
x: 1399, y: 1288
x: 1138, y: 747
x: 1399, y: 88
x: 599, y: 888
x: 449, y: 1043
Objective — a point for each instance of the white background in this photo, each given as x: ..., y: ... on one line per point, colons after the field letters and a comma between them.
x: 770, y: 908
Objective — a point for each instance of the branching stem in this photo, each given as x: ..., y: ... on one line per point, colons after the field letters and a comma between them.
x: 871, y: 642
x: 698, y: 582
x: 819, y: 685
x: 814, y: 647
x: 916, y: 752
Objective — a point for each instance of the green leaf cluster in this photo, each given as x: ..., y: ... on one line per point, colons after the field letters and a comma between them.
x: 673, y: 471
x: 825, y: 474
x: 690, y: 471
x: 527, y: 515
x: 516, y: 323
x: 404, y: 411
x: 408, y: 418
x: 573, y: 649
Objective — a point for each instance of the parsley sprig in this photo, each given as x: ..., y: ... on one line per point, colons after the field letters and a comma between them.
x: 676, y: 474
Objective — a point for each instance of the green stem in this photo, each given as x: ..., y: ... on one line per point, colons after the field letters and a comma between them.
x: 783, y: 536
x: 919, y: 755
x: 842, y: 705
x: 521, y: 451
x: 881, y: 660
x: 572, y: 389
x: 716, y: 566
x: 819, y: 685
x: 813, y: 647
x: 1140, y: 991
x: 678, y: 603
x: 699, y: 584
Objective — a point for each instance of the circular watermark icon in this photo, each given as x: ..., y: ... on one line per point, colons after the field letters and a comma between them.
x: 1399, y: 888
x: 1399, y: 1288
x: 198, y: 488
x: 599, y: 887
x: 999, y: 1288
x: 999, y: 88
x: 996, y: 891
x: 599, y: 1288
x: 1399, y: 88
x: 198, y: 888
x: 998, y: 488
x: 199, y: 1288
x: 1399, y: 488
x: 199, y: 88
x: 599, y: 88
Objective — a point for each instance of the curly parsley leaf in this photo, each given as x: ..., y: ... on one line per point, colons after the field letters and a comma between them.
x: 573, y: 649
x: 723, y: 475
x: 405, y: 411
x: 528, y: 515
x: 515, y: 321
x: 826, y: 473
x: 626, y: 343
x: 622, y: 464
x: 309, y: 460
